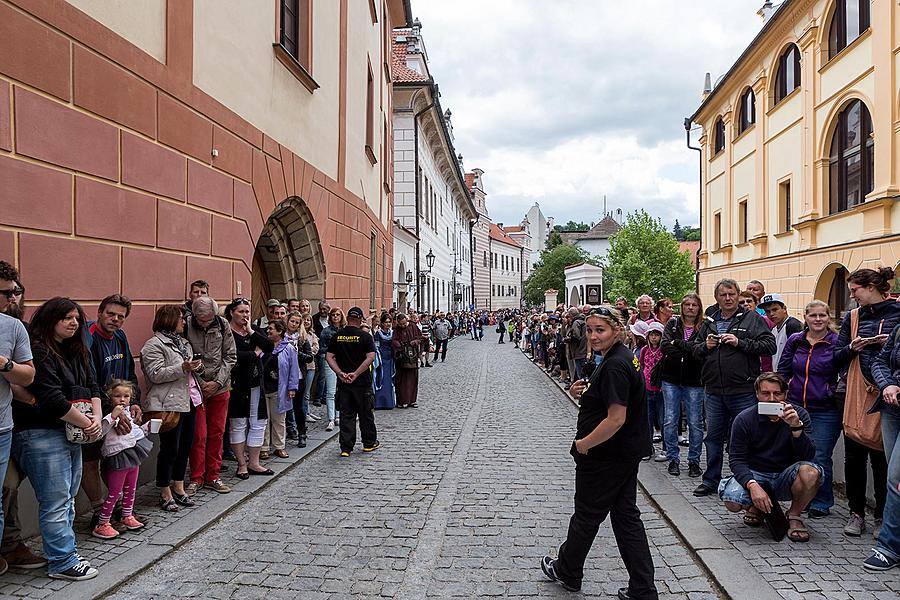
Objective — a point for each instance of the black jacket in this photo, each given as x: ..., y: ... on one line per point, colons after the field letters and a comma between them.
x: 873, y: 319
x: 56, y: 383
x: 730, y: 370
x: 679, y: 365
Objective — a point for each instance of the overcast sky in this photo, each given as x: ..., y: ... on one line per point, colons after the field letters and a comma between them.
x: 563, y: 101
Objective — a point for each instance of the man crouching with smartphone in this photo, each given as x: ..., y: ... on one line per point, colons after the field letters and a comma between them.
x: 771, y: 446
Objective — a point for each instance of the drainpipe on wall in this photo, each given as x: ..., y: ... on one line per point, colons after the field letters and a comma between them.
x: 687, y: 133
x: 418, y: 192
x: 472, y: 261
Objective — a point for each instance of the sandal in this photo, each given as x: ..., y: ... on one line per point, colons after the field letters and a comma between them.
x: 797, y: 534
x: 753, y: 519
x: 244, y: 476
x: 183, y: 500
x: 168, y: 505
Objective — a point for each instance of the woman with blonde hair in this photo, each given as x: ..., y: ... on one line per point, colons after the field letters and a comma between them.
x: 613, y: 434
x: 807, y: 363
x: 336, y: 321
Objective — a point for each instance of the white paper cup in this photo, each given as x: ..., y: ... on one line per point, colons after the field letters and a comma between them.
x: 155, y: 425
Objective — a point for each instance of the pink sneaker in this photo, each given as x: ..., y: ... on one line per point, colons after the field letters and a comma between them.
x: 131, y: 523
x: 105, y: 531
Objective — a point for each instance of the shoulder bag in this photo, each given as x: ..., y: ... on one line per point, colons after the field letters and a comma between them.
x: 859, y: 425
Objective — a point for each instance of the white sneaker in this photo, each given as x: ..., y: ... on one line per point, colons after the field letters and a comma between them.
x: 315, y: 417
x: 660, y: 457
x: 330, y: 426
x: 337, y: 420
x: 310, y: 418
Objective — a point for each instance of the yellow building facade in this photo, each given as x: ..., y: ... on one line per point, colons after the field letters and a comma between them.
x: 801, y: 153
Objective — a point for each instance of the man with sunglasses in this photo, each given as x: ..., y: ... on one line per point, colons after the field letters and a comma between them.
x: 16, y: 366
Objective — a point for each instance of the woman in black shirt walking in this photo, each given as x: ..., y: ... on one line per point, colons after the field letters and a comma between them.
x: 613, y: 434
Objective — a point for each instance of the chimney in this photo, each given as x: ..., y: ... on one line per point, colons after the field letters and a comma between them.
x: 707, y: 86
x: 500, y: 225
x: 766, y: 11
x: 459, y: 159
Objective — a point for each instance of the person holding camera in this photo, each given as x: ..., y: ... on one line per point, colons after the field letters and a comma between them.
x: 771, y: 456
x: 612, y: 435
x: 730, y: 343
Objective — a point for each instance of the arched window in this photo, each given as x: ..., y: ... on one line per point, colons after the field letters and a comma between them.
x: 747, y: 111
x: 719, y: 137
x: 788, y: 78
x: 850, y: 20
x: 852, y: 160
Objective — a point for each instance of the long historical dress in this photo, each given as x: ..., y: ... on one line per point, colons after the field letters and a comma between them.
x: 406, y: 380
x: 384, y: 371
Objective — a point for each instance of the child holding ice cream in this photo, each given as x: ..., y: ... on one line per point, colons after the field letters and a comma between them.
x: 122, y: 454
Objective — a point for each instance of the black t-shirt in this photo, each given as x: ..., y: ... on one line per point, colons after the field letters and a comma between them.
x: 350, y: 346
x: 617, y: 380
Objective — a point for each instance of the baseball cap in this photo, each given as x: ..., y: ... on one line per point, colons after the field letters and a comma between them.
x: 355, y: 313
x: 273, y: 302
x: 771, y: 299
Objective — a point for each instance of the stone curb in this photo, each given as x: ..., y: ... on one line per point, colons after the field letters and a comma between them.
x: 722, y: 562
x: 118, y: 572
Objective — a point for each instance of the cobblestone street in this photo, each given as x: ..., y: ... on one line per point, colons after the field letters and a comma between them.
x: 464, y: 496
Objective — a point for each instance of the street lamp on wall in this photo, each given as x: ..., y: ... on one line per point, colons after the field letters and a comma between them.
x: 429, y: 259
x: 409, y: 277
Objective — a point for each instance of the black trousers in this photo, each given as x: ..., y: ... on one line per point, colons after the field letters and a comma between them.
x: 299, y: 415
x: 601, y: 489
x: 856, y: 471
x: 440, y: 346
x: 175, y: 449
x: 355, y: 401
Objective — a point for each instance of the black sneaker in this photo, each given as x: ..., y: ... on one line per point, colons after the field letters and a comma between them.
x: 694, y: 470
x: 674, y: 469
x: 301, y: 443
x: 80, y: 572
x: 373, y: 447
x: 95, y: 520
x: 815, y: 513
x: 548, y: 566
x: 703, y: 490
x: 879, y: 562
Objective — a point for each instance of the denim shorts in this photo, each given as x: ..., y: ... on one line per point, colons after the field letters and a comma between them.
x: 730, y: 490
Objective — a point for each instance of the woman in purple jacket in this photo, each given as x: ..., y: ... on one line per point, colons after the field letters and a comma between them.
x: 807, y: 362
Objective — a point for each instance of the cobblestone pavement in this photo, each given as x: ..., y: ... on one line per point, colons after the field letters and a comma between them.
x: 828, y: 567
x: 464, y: 496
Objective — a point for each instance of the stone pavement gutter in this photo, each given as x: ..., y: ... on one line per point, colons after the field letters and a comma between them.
x: 210, y: 509
x: 725, y: 565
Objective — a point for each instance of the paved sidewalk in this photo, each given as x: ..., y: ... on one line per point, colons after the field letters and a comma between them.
x: 747, y: 563
x: 462, y: 499
x: 120, y: 558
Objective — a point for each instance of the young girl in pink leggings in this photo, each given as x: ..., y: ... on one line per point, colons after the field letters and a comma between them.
x: 122, y: 458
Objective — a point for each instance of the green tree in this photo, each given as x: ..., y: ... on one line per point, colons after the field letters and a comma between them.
x: 572, y: 226
x: 554, y: 240
x: 549, y: 272
x: 678, y: 232
x: 644, y: 259
x: 691, y: 234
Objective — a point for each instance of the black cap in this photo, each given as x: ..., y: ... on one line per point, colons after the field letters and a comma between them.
x: 355, y: 313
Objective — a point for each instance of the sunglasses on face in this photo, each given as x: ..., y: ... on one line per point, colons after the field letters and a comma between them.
x: 601, y: 311
x: 16, y: 291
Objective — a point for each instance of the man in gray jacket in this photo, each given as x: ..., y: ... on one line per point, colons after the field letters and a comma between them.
x: 441, y: 328
x: 210, y: 335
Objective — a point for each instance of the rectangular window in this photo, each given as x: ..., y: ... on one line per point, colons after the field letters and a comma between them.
x: 370, y: 115
x: 784, y: 206
x: 717, y: 231
x: 485, y: 259
x: 294, y: 45
x: 742, y: 222
x: 372, y: 270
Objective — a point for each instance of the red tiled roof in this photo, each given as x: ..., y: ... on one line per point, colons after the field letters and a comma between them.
x: 515, y: 229
x: 691, y: 247
x: 501, y: 236
x: 400, y: 71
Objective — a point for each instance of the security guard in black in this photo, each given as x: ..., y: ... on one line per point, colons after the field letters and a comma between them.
x: 350, y: 354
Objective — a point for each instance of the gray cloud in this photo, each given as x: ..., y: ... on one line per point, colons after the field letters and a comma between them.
x: 557, y: 85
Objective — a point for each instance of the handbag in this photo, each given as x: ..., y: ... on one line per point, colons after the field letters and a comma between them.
x: 861, y: 396
x: 407, y: 357
x: 74, y: 433
x: 169, y: 418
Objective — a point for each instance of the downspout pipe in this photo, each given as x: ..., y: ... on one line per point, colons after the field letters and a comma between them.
x: 418, y: 204
x: 687, y: 134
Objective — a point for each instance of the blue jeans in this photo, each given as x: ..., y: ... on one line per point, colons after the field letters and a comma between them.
x: 692, y: 397
x: 5, y: 445
x: 321, y: 365
x: 732, y: 491
x: 330, y: 379
x: 889, y: 538
x: 53, y: 465
x: 720, y: 412
x: 655, y: 410
x: 826, y: 429
x: 307, y: 384
x: 579, y: 368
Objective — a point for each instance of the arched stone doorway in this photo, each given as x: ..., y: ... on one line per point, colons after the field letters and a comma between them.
x: 288, y: 262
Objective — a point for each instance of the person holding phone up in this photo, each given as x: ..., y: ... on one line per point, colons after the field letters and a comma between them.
x: 771, y: 446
